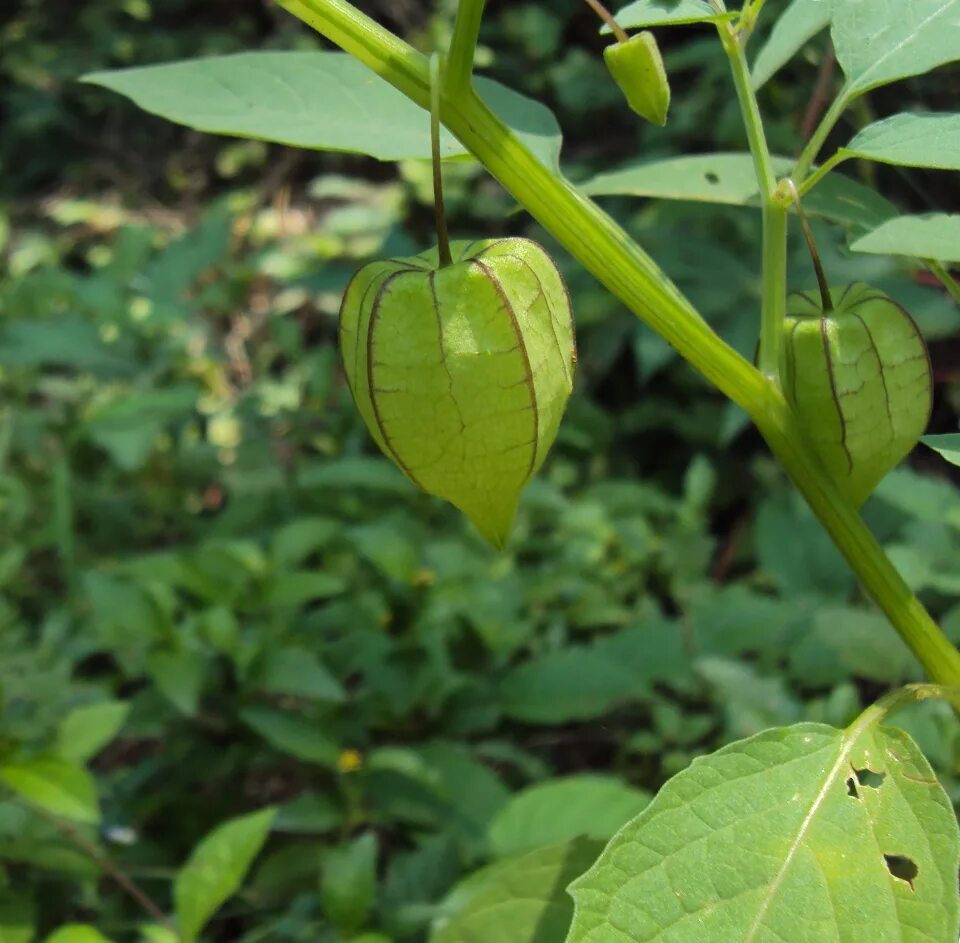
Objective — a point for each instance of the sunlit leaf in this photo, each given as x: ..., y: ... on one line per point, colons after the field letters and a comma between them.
x: 880, y: 41
x: 912, y: 140
x: 322, y: 100
x: 54, y: 785
x: 803, y: 833
x: 216, y: 869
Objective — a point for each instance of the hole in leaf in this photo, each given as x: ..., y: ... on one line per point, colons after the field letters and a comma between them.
x: 867, y: 777
x: 711, y: 177
x: 902, y: 868
x: 852, y: 787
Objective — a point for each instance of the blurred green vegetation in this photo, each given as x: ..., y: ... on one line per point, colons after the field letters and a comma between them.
x: 214, y: 590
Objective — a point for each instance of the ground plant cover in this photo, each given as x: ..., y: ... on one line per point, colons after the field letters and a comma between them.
x: 685, y: 667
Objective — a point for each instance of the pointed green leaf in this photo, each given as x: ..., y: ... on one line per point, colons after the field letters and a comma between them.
x: 293, y: 734
x: 912, y: 140
x: 298, y: 672
x: 561, y: 809
x: 76, y: 933
x: 880, y: 41
x: 56, y: 785
x: 930, y: 236
x: 671, y: 13
x: 216, y: 869
x: 575, y: 683
x: 731, y: 179
x: 801, y: 20
x: 947, y: 445
x: 349, y: 882
x: 86, y: 730
x: 805, y: 834
x: 519, y: 900
x: 322, y: 100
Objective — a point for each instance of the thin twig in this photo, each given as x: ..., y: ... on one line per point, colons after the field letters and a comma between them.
x: 106, y: 864
x: 821, y: 93
x: 608, y: 18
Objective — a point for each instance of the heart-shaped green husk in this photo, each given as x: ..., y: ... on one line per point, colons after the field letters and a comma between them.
x: 462, y: 373
x: 859, y: 381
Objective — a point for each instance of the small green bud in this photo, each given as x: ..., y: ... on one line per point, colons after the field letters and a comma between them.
x: 859, y: 381
x: 462, y: 372
x: 637, y: 67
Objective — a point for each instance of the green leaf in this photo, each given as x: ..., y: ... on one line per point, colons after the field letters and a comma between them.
x: 574, y: 683
x: 749, y: 701
x: 519, y: 900
x: 930, y: 236
x: 880, y: 41
x: 216, y: 869
x: 804, y: 833
x: 921, y: 496
x: 75, y: 933
x: 731, y: 179
x: 947, y: 445
x: 293, y: 734
x: 671, y: 13
x: 17, y: 918
x: 86, y: 730
x: 349, y: 881
x: 179, y: 676
x: 561, y: 809
x: 322, y: 100
x: 296, y: 589
x: 298, y: 672
x: 801, y: 21
x: 931, y: 140
x: 55, y: 785
x: 845, y: 642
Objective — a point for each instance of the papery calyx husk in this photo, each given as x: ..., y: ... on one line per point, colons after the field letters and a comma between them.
x: 859, y: 381
x: 462, y: 373
x: 637, y: 67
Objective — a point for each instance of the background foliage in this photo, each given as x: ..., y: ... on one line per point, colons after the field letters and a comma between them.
x: 219, y: 600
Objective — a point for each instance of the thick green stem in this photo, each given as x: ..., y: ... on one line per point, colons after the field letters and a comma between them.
x: 774, y: 216
x: 809, y: 154
x: 627, y: 271
x: 463, y: 46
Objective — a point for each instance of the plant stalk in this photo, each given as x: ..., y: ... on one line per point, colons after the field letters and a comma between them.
x: 605, y: 250
x: 809, y: 154
x: 609, y: 19
x: 463, y: 46
x: 774, y: 215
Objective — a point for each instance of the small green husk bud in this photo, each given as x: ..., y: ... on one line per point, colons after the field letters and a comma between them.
x: 859, y: 381
x: 462, y: 372
x: 637, y: 67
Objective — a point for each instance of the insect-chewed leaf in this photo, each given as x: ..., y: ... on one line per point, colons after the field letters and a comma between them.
x: 859, y: 381
x: 462, y: 373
